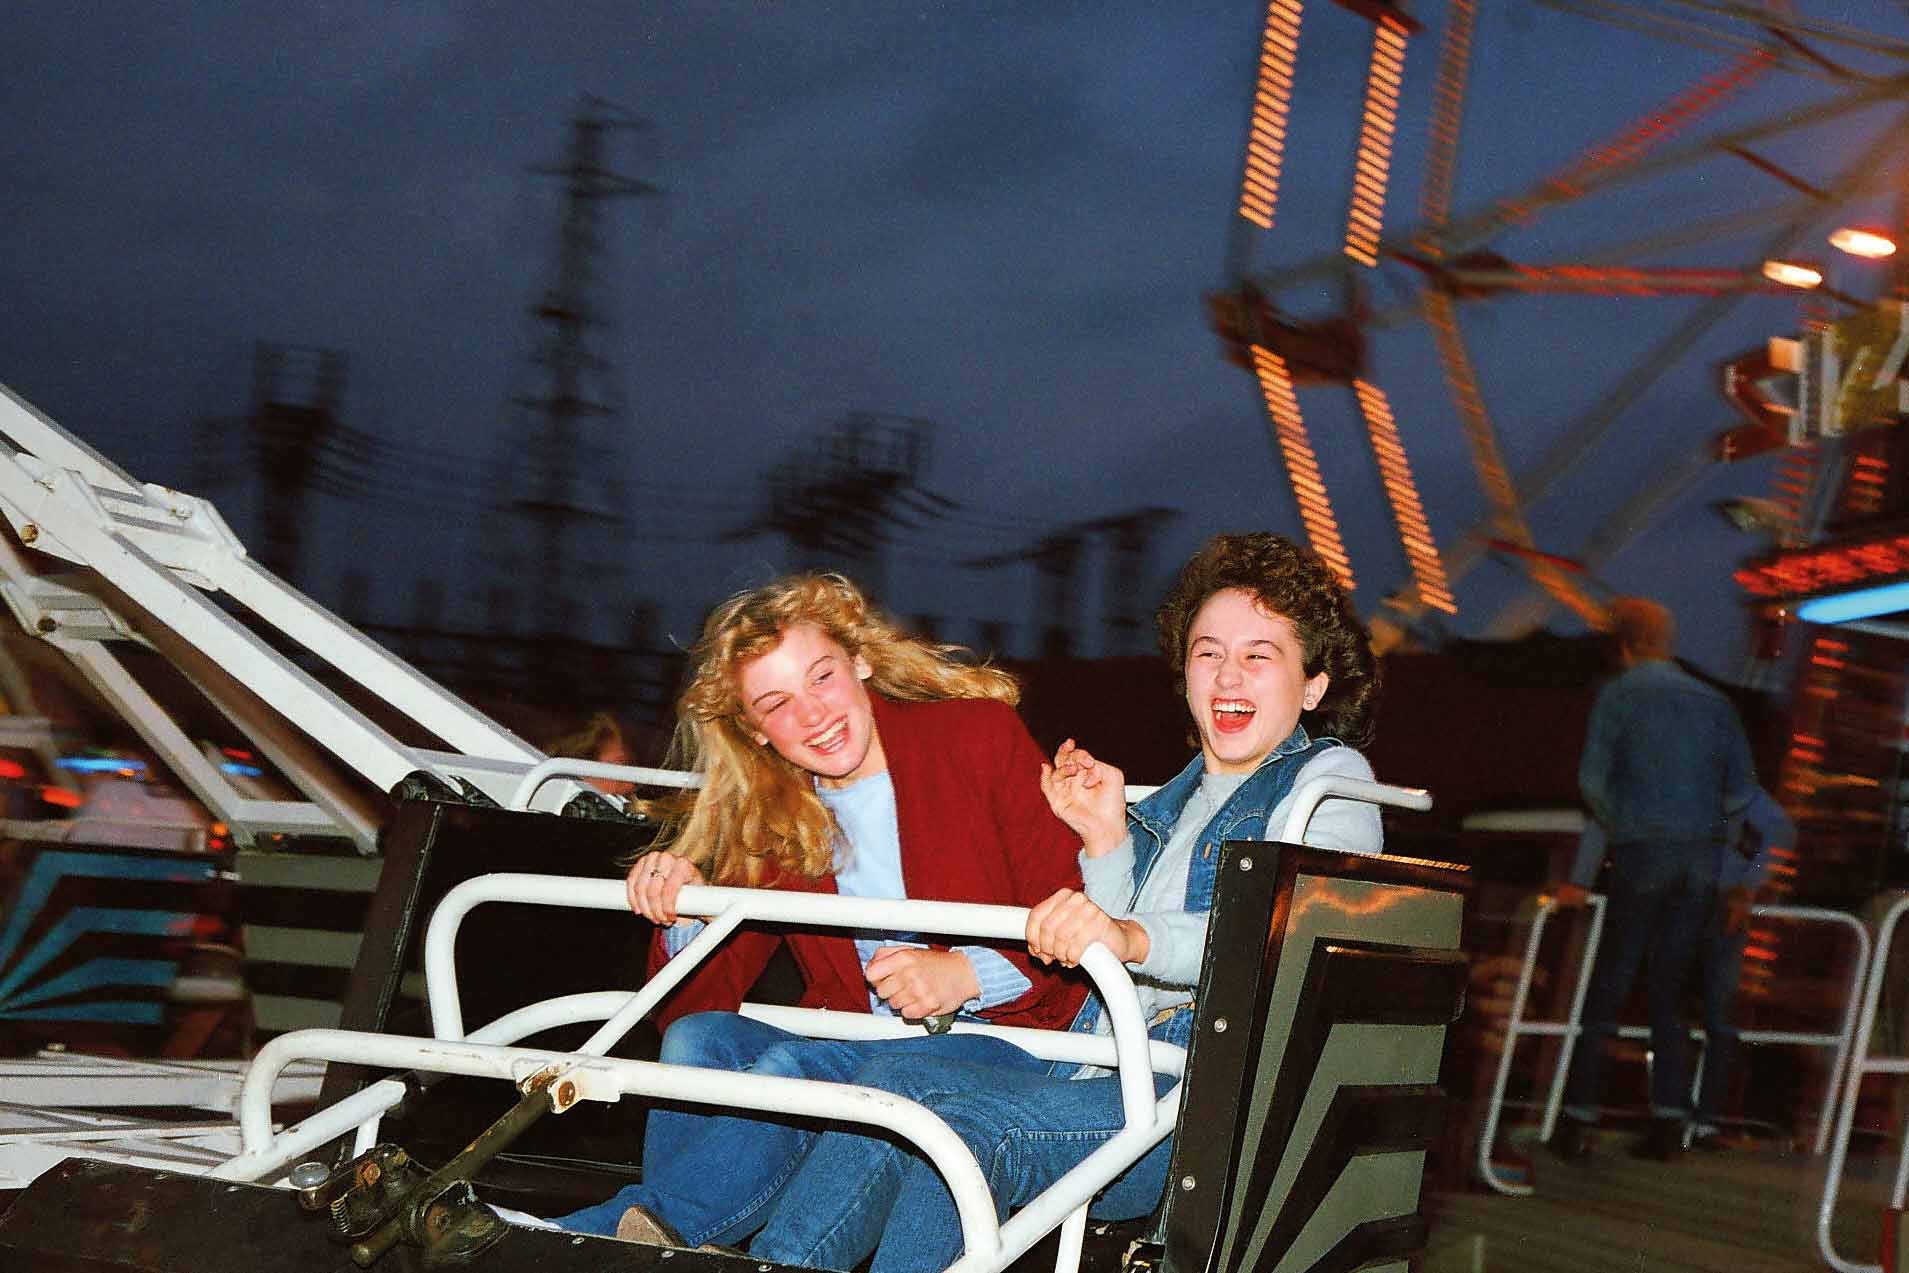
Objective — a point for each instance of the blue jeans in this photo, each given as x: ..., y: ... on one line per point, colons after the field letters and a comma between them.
x: 1655, y: 917
x: 1722, y: 966
x: 712, y: 1176
x: 857, y: 1194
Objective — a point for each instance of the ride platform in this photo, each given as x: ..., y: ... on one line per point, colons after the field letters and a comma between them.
x: 1735, y: 1211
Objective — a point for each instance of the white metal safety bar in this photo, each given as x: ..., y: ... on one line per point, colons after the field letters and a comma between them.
x: 726, y: 908
x: 989, y: 1246
x: 362, y: 1109
x: 1861, y: 1065
x: 572, y: 767
x: 267, y: 1155
x: 1313, y: 792
x: 602, y: 1078
x: 1567, y: 1030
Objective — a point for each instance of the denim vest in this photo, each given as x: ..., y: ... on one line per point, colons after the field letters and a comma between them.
x: 1242, y: 817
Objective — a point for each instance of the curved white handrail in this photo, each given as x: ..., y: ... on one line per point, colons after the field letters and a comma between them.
x: 728, y: 907
x: 989, y: 1246
x: 364, y: 1107
x: 572, y: 767
x: 1313, y: 792
x: 607, y: 1078
x: 598, y: 1077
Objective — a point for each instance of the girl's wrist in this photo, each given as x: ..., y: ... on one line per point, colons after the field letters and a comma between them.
x: 1137, y: 944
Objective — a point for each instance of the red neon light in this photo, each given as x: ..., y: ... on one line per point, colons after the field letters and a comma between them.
x: 1810, y: 570
x: 62, y: 797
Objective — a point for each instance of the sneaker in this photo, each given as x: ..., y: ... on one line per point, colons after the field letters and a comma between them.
x: 640, y: 1224
x: 1570, y: 1140
x: 1663, y: 1142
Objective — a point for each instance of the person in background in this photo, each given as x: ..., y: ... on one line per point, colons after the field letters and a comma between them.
x: 601, y: 739
x: 1666, y: 773
x: 1260, y: 637
x: 1742, y: 868
x: 838, y: 755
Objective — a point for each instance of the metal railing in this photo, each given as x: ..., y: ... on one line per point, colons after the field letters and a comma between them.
x: 1567, y: 1030
x: 588, y: 1074
x: 989, y: 1244
x: 1862, y: 1064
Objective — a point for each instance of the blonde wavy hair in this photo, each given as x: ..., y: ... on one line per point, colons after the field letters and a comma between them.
x: 757, y: 815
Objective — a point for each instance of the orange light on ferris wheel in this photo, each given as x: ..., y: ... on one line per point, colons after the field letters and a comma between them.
x: 1372, y: 166
x: 1302, y: 465
x: 1793, y: 274
x: 1870, y: 244
x: 1272, y: 106
x: 1408, y: 512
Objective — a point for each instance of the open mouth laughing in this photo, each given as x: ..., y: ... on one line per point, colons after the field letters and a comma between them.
x: 1231, y: 715
x: 830, y: 740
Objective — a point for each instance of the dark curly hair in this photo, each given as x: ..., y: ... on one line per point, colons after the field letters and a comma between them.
x: 1291, y: 581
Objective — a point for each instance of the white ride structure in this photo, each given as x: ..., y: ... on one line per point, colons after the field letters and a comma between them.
x: 152, y: 560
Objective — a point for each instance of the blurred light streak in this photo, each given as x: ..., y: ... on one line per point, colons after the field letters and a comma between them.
x: 1272, y: 108
x: 1385, y: 73
x: 1408, y: 512
x: 1302, y: 465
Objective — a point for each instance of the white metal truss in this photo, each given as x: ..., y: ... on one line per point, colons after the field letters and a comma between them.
x: 164, y: 553
x: 79, y: 626
x: 37, y: 1133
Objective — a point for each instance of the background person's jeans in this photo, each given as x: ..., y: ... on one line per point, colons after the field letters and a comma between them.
x: 1722, y: 968
x: 856, y: 1194
x: 1655, y: 916
x: 712, y: 1176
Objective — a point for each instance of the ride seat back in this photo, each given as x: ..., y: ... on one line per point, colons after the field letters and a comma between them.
x: 1311, y: 1098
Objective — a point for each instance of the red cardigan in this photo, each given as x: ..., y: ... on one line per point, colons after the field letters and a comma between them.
x: 974, y: 828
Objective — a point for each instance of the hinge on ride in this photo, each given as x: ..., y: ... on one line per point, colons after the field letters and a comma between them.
x: 597, y: 807
x: 1143, y: 1256
x: 383, y: 1198
x: 422, y: 785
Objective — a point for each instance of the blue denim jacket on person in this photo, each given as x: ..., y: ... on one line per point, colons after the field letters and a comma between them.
x: 1665, y: 759
x: 1242, y: 817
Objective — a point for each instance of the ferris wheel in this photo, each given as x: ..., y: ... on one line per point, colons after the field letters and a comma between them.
x: 1450, y: 260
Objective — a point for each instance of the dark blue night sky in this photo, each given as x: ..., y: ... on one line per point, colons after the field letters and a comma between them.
x: 1002, y: 218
